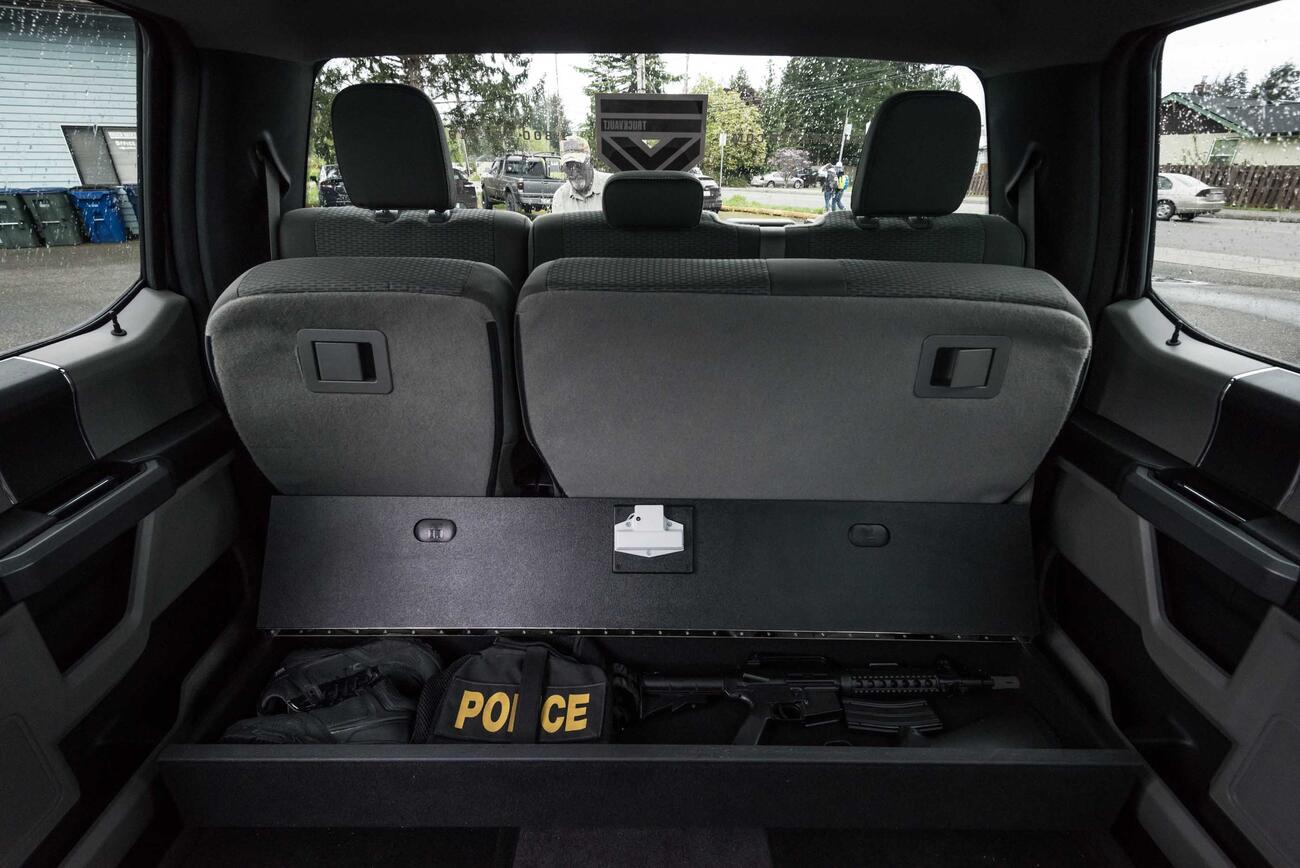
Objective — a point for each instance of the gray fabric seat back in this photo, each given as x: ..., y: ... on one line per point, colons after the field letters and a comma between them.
x: 392, y: 152
x: 370, y: 376
x: 916, y: 166
x: 644, y: 215
x: 785, y: 379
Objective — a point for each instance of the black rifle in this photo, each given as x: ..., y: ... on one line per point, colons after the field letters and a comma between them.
x: 883, y: 698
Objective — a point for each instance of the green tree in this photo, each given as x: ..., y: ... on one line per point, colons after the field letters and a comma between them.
x: 545, y: 113
x: 746, y: 149
x: 1280, y: 85
x: 1234, y: 85
x: 330, y: 81
x: 617, y: 73
x: 741, y: 84
x: 817, y: 94
x: 480, y: 96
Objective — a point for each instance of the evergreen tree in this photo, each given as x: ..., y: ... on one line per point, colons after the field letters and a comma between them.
x: 1282, y: 84
x: 818, y: 93
x: 1234, y: 85
x: 480, y: 96
x: 744, y: 89
x: 617, y: 73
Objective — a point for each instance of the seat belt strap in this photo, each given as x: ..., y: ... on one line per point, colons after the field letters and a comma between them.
x: 276, y: 181
x: 1022, y: 189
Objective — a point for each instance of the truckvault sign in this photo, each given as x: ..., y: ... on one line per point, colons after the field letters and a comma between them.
x: 651, y: 130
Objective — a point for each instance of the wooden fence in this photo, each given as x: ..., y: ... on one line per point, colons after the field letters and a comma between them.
x: 1250, y: 186
x: 1273, y: 187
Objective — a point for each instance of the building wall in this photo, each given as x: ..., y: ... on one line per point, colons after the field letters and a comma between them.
x: 59, y: 64
x: 1195, y: 148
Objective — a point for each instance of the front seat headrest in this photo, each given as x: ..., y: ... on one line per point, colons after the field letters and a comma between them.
x: 918, y: 156
x: 641, y: 199
x: 392, y: 148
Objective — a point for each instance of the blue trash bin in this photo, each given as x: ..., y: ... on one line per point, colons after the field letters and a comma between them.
x: 100, y: 215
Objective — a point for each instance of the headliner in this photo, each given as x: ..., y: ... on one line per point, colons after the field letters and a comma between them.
x: 992, y: 36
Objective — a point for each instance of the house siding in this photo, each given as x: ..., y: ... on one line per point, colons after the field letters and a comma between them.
x: 60, y: 64
x: 1194, y: 148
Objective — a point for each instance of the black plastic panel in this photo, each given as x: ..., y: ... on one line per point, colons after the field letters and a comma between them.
x: 41, y: 440
x: 342, y: 563
x: 1256, y: 444
x: 678, y: 785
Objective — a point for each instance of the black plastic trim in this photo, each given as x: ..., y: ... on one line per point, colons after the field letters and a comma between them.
x: 40, y: 562
x: 1257, y: 567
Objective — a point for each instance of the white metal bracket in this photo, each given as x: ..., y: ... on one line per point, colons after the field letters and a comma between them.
x: 647, y: 533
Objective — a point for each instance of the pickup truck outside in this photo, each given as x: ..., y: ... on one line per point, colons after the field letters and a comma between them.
x: 522, y: 182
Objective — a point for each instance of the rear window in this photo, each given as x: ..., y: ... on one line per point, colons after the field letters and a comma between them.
x: 787, y: 120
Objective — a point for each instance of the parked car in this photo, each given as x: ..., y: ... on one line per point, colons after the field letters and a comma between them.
x: 1185, y: 197
x: 712, y: 192
x: 522, y: 182
x: 776, y: 179
x: 334, y: 193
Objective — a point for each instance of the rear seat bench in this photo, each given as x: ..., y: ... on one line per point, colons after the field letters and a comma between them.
x: 784, y: 379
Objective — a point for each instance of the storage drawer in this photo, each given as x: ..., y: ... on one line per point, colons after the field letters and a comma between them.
x: 677, y: 768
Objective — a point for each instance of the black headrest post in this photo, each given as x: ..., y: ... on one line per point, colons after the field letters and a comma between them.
x: 392, y: 148
x: 918, y: 156
x: 663, y: 200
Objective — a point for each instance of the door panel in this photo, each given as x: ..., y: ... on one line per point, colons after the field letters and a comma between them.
x: 1176, y: 503
x: 119, y: 498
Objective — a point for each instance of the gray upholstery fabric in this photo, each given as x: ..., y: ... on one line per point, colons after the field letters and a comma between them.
x: 555, y: 236
x: 498, y: 238
x: 392, y: 148
x: 762, y: 391
x: 918, y: 155
x: 452, y: 410
x: 952, y: 238
x: 652, y: 199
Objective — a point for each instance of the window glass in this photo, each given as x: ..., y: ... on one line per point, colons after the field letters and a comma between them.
x: 68, y: 165
x: 787, y: 120
x: 1227, y: 209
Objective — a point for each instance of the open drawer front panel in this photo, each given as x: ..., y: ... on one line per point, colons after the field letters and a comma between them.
x: 681, y: 772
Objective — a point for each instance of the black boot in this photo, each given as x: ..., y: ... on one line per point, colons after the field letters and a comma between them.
x: 379, y: 714
x: 319, y: 677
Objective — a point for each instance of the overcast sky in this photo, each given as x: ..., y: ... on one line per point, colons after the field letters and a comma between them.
x: 1256, y: 40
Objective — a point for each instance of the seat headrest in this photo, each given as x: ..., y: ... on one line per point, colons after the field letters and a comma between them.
x: 918, y: 156
x: 392, y: 148
x: 653, y: 199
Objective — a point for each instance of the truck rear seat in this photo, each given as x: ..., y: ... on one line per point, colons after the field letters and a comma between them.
x: 645, y: 215
x: 392, y: 151
x: 915, y: 169
x: 781, y: 379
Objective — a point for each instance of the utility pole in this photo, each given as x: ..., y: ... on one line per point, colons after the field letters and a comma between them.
x: 844, y: 135
x: 640, y: 73
x: 722, y: 157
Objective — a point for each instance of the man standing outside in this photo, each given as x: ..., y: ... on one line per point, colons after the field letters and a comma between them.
x: 837, y: 203
x: 828, y: 186
x: 584, y: 187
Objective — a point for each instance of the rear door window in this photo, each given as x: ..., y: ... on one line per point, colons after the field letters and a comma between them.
x: 1227, y: 204
x: 69, y: 168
